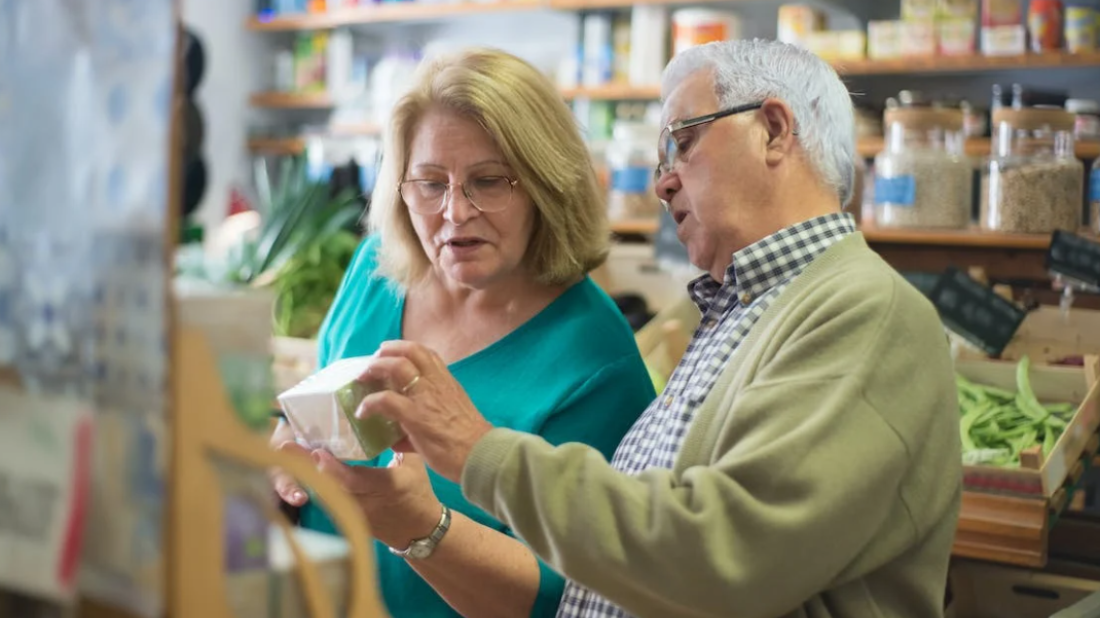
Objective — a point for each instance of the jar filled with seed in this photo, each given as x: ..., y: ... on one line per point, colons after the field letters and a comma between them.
x: 1033, y: 182
x: 923, y: 178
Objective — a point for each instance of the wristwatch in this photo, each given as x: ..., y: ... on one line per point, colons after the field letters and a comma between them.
x: 423, y: 548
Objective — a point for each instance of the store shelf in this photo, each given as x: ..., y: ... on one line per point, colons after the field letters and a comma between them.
x: 291, y: 100
x: 296, y: 144
x: 966, y: 64
x: 614, y: 92
x: 276, y: 145
x: 955, y: 238
x: 871, y: 146
x: 634, y: 228
x: 587, y: 5
x: 386, y: 12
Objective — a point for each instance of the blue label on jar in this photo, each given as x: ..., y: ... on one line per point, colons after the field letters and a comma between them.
x: 1094, y: 185
x: 631, y: 179
x: 897, y: 191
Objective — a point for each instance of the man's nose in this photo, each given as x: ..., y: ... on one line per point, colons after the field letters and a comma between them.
x: 667, y: 185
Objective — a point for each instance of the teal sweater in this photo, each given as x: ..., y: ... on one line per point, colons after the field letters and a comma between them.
x: 572, y: 373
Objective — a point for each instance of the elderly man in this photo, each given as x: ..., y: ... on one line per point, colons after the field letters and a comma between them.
x: 804, y: 459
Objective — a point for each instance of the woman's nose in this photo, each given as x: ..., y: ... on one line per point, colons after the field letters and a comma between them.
x: 457, y: 208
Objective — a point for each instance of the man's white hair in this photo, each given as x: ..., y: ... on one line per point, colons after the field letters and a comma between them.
x: 750, y: 71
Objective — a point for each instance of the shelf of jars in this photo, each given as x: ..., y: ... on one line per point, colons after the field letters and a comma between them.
x: 978, y: 147
x: 968, y: 64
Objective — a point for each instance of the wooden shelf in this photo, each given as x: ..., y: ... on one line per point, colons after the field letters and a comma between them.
x: 955, y: 238
x: 979, y: 147
x: 588, y: 5
x: 634, y: 228
x: 386, y: 12
x: 613, y: 92
x: 966, y: 64
x: 291, y: 100
x: 296, y: 144
x: 276, y: 146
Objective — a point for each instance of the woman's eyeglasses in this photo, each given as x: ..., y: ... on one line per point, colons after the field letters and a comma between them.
x: 486, y: 193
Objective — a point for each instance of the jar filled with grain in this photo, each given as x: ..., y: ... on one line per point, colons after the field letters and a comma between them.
x: 923, y: 178
x: 1033, y: 182
x: 631, y: 159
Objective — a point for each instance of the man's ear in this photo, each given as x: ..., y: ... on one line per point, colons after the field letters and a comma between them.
x: 779, y: 121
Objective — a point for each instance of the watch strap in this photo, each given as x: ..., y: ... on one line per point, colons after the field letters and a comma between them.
x: 426, y: 546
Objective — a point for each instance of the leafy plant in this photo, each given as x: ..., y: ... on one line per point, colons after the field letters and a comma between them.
x: 307, y: 284
x: 295, y: 216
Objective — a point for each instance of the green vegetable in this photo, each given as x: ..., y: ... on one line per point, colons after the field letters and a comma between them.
x: 996, y: 425
x: 376, y: 434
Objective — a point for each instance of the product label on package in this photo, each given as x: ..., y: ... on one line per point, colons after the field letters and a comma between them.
x: 896, y: 191
x: 631, y: 179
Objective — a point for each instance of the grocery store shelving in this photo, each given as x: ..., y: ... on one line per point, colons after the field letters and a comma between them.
x: 613, y: 92
x: 291, y: 100
x: 296, y: 144
x: 386, y: 12
x: 870, y: 146
x: 967, y: 64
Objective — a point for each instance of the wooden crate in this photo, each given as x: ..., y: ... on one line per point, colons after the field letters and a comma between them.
x: 1051, y: 384
x: 990, y: 591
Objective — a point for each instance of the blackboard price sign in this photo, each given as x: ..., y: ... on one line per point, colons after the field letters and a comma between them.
x: 1074, y: 257
x: 975, y: 312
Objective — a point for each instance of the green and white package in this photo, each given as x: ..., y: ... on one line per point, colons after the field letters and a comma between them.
x: 321, y: 410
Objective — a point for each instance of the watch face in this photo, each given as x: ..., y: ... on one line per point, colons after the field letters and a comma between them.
x: 420, y: 550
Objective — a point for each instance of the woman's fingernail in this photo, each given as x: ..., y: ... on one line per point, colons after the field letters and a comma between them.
x: 298, y: 497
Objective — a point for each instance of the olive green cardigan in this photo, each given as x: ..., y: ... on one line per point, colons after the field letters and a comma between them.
x: 821, y: 477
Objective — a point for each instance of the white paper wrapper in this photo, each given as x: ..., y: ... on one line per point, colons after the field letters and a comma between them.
x: 321, y: 410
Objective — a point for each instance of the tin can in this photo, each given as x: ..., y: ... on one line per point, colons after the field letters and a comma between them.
x: 1082, y: 29
x: 1044, y: 20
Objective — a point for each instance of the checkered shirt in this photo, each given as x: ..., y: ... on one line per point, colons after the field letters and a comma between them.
x: 758, y: 274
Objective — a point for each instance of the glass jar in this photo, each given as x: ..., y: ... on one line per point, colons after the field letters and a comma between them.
x: 631, y: 159
x: 1033, y: 182
x: 923, y: 179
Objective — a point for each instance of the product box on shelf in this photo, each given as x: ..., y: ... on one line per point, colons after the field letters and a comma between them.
x: 956, y: 37
x: 1051, y: 384
x: 884, y: 39
x: 918, y: 39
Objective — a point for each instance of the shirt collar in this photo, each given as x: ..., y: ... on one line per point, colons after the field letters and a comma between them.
x: 772, y: 260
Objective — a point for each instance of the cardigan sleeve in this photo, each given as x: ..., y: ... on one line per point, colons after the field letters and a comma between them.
x: 598, y: 413
x: 805, y: 475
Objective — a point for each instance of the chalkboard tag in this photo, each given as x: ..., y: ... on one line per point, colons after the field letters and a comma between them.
x: 975, y: 312
x: 1074, y: 257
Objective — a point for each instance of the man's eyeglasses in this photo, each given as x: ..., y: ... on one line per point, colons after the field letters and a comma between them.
x: 668, y: 148
x: 486, y: 193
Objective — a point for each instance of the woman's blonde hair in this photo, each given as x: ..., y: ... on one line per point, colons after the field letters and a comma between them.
x: 533, y: 127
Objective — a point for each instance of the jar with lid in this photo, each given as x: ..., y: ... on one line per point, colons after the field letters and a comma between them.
x: 1033, y: 181
x: 1088, y: 118
x: 631, y: 159
x: 923, y: 179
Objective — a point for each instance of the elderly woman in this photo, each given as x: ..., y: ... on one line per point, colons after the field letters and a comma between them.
x: 487, y: 219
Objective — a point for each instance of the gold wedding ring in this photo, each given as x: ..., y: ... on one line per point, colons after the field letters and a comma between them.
x: 412, y: 383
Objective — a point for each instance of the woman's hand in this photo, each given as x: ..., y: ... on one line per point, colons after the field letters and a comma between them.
x: 439, y: 420
x: 288, y: 490
x: 398, y: 500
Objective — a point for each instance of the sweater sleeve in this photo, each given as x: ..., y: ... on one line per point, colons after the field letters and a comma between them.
x: 599, y: 414
x: 805, y: 476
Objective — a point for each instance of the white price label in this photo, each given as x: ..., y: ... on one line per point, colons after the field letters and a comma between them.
x: 45, y: 466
